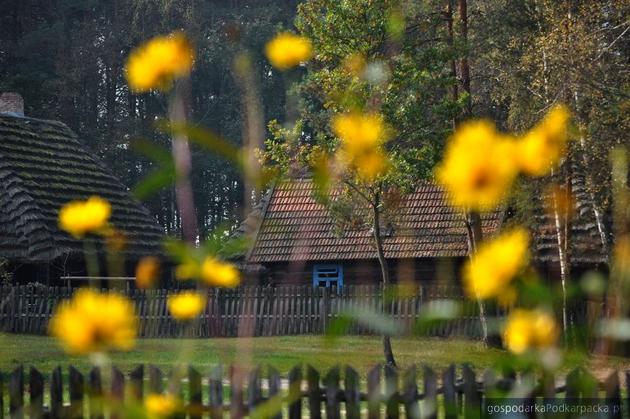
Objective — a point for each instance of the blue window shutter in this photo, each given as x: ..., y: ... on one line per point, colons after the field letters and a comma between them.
x: 328, y: 275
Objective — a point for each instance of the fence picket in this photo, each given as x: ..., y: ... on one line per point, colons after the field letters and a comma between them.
x: 374, y: 392
x: 331, y: 390
x: 410, y: 394
x: 16, y: 393
x: 314, y: 393
x: 36, y: 387
x: 95, y: 393
x: 56, y: 394
x: 353, y: 394
x: 215, y: 389
x: 195, y: 400
x: 295, y: 393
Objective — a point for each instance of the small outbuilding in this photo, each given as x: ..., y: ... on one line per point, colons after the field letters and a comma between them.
x: 43, y: 165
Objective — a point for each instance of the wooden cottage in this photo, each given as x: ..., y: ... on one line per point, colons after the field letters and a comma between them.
x: 296, y: 241
x: 43, y: 165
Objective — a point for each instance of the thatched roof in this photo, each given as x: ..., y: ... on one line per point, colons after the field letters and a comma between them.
x: 43, y: 165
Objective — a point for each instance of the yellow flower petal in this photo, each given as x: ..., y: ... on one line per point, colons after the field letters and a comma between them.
x: 161, y: 405
x: 287, y: 50
x: 529, y: 329
x: 81, y: 217
x: 479, y: 166
x: 219, y: 274
x: 186, y: 305
x: 155, y: 64
x: 541, y: 149
x: 495, y: 264
x: 94, y: 322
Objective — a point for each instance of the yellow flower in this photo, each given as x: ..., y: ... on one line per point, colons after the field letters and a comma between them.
x: 94, y: 322
x: 161, y: 405
x: 287, y: 50
x: 155, y: 64
x: 81, y: 217
x: 186, y: 305
x: 147, y: 272
x: 529, y: 329
x: 541, y: 149
x: 362, y: 137
x: 219, y: 274
x: 495, y: 264
x: 478, y: 166
x: 212, y: 271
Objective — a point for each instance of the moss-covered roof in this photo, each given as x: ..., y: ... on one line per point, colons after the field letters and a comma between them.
x: 43, y: 165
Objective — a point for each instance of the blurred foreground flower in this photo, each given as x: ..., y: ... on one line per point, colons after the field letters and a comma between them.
x: 541, y: 149
x: 155, y: 64
x: 212, y: 271
x: 147, y: 272
x: 219, y: 274
x: 530, y: 329
x: 186, y: 305
x: 81, y: 217
x: 489, y: 273
x: 479, y: 166
x: 362, y: 137
x: 94, y: 322
x: 161, y: 405
x: 287, y: 50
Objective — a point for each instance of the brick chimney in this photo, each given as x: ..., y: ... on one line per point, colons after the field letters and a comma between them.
x: 11, y: 104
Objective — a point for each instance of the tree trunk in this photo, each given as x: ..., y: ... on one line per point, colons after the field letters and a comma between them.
x: 183, y: 163
x: 387, y: 344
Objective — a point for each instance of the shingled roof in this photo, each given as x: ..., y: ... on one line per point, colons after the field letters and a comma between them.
x: 294, y: 226
x: 43, y: 165
x: 587, y: 246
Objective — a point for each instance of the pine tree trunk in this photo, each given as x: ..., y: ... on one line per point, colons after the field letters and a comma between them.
x: 387, y: 344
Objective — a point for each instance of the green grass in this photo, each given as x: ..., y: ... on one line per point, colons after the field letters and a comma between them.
x: 281, y: 352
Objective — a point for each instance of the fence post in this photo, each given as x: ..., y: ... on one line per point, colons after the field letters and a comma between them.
x: 410, y: 394
x: 392, y: 410
x: 295, y: 393
x: 36, y: 387
x: 450, y: 395
x: 314, y: 393
x: 374, y: 392
x: 353, y: 394
x: 76, y: 393
x: 16, y: 393
x: 95, y: 393
x: 430, y: 393
x: 195, y: 401
x: 331, y: 388
x: 274, y: 390
x: 215, y: 388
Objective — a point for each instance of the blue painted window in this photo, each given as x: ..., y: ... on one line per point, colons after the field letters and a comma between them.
x: 328, y: 275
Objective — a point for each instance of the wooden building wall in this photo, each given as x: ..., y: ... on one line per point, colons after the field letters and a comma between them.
x: 361, y: 272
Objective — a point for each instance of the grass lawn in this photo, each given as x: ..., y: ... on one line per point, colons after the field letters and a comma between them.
x: 281, y: 352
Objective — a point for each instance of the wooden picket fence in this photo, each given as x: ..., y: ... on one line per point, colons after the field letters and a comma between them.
x: 414, y: 393
x: 253, y: 310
